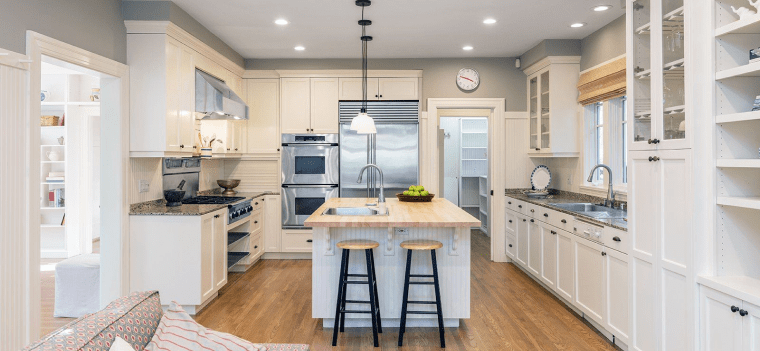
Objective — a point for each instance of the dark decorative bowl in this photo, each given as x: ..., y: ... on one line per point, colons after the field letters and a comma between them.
x: 408, y: 198
x: 228, y: 185
x: 174, y: 197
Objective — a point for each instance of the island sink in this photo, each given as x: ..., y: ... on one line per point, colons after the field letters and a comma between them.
x: 354, y: 211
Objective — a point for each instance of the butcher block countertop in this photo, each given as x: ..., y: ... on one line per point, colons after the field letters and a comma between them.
x: 437, y: 214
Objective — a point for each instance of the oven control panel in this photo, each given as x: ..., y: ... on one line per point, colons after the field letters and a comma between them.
x: 239, y: 211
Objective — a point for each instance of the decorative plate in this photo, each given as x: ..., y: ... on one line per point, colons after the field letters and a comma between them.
x: 541, y: 178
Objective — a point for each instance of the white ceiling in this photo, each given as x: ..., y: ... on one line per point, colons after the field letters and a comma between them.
x: 401, y: 28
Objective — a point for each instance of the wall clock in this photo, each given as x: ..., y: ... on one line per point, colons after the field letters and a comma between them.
x: 468, y: 79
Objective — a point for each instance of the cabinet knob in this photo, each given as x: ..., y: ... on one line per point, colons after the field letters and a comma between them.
x: 510, y: 221
x: 255, y: 222
x: 525, y: 220
x: 195, y: 147
x: 216, y: 216
x: 604, y: 253
x: 381, y: 95
x: 564, y: 221
x: 256, y: 203
x: 308, y: 240
x: 532, y: 221
x: 236, y: 149
x: 509, y: 202
x: 519, y: 206
x: 256, y: 246
x: 532, y: 210
x: 653, y: 141
x: 743, y: 313
x: 181, y: 146
x: 734, y: 309
x: 546, y: 215
x: 228, y: 149
x: 617, y: 238
x: 376, y: 96
x: 538, y: 149
x: 553, y: 232
x: 278, y: 150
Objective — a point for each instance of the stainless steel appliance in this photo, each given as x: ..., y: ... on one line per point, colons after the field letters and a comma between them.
x: 215, y: 100
x: 310, y: 175
x: 175, y: 170
x: 395, y: 147
x: 238, y: 207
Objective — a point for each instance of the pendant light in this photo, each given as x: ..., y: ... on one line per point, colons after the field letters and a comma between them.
x: 363, y: 123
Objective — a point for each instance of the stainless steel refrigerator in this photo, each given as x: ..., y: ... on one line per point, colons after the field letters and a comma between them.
x: 395, y: 148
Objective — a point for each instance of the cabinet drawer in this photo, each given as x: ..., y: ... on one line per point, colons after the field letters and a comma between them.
x: 616, y: 239
x: 258, y: 204
x: 257, y: 245
x: 256, y: 221
x: 558, y: 219
x: 512, y: 204
x: 534, y: 211
x: 511, y: 222
x: 520, y: 207
x: 296, y: 240
x: 511, y: 246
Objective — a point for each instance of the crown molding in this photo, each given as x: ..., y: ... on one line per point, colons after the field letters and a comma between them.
x: 174, y: 31
x: 254, y: 74
x: 551, y: 60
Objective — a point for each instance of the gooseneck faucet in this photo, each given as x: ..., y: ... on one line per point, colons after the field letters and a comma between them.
x: 381, y: 198
x: 610, y: 202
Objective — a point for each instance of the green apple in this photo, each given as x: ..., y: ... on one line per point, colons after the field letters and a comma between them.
x: 412, y: 188
x: 406, y: 192
x: 425, y: 193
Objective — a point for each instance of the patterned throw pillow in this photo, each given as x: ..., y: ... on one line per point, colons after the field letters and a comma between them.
x: 133, y: 318
x: 178, y: 331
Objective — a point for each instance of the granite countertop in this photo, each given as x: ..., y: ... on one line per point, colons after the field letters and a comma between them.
x: 158, y: 207
x: 569, y: 197
x: 440, y: 213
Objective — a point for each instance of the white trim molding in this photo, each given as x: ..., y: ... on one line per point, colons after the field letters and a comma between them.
x: 337, y: 73
x: 429, y: 157
x: 551, y: 60
x: 115, y: 165
x: 604, y: 63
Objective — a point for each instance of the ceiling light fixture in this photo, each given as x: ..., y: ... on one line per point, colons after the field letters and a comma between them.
x: 299, y: 48
x: 602, y: 8
x: 577, y: 25
x: 489, y: 21
x: 467, y: 48
x: 281, y: 22
x: 363, y: 123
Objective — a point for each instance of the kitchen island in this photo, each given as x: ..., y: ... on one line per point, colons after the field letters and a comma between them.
x: 438, y: 220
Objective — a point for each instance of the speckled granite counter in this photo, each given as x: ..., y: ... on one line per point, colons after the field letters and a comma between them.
x: 558, y: 197
x: 158, y: 207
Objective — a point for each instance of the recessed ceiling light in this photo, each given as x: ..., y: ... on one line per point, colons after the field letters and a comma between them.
x: 489, y: 21
x: 281, y: 22
x: 300, y: 48
x: 577, y: 25
x: 601, y: 8
x: 467, y: 48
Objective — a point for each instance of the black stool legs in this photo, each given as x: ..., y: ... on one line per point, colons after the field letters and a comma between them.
x: 437, y: 302
x: 374, y: 302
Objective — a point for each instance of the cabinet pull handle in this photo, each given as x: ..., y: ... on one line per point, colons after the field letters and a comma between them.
x: 216, y: 216
x: 654, y: 141
x: 617, y: 238
x: 509, y: 202
x: 256, y: 246
x: 308, y: 240
x: 564, y: 221
x: 228, y: 149
x: 256, y: 203
x: 734, y: 309
x: 604, y: 253
x: 532, y: 210
x: 553, y: 232
x: 524, y: 220
x: 532, y: 221
x: 546, y: 215
x: 510, y: 221
x: 510, y: 245
x: 255, y: 222
x: 743, y: 313
x: 519, y: 206
x: 195, y: 147
x: 538, y: 149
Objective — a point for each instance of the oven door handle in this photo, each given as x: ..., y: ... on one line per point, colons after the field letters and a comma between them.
x: 309, y: 186
x: 311, y: 144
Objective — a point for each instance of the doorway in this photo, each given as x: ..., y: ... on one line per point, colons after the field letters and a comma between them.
x: 465, y: 163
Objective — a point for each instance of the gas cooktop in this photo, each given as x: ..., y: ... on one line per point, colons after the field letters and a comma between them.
x: 211, y: 200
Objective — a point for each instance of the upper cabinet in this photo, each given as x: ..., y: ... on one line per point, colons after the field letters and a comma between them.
x: 656, y: 75
x: 162, y: 62
x: 553, y: 104
x: 380, y: 89
x: 309, y: 105
x: 264, y: 116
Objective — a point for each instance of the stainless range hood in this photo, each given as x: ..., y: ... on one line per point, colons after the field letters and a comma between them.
x: 215, y: 100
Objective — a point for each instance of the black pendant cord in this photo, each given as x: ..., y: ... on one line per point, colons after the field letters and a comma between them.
x: 364, y: 63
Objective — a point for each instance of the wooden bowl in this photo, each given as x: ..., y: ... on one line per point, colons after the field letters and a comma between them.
x: 408, y: 198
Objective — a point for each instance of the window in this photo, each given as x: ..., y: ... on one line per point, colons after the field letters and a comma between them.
x: 606, y: 141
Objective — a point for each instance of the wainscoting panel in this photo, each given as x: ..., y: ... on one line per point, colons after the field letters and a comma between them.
x: 255, y: 176
x: 148, y: 169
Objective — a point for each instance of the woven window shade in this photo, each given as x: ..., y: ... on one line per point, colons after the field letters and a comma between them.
x: 603, y: 83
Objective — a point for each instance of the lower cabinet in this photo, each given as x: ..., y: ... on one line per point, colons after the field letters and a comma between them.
x: 728, y: 323
x: 548, y: 255
x: 616, y: 282
x: 565, y: 286
x: 296, y: 240
x: 522, y: 241
x: 534, y: 244
x: 272, y: 226
x: 589, y: 279
x: 511, y: 235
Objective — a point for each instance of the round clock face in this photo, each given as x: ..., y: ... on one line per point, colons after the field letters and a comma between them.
x: 468, y: 79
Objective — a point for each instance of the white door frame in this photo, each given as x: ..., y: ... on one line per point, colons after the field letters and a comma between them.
x: 496, y: 145
x: 115, y: 165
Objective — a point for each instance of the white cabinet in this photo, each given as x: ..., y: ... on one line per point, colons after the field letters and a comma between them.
x: 296, y: 240
x: 590, y: 289
x: 616, y: 282
x: 549, y: 255
x: 184, y: 257
x: 232, y: 135
x: 309, y: 105
x: 380, y: 89
x: 264, y: 116
x: 660, y: 189
x: 522, y: 241
x: 511, y: 235
x: 565, y: 285
x: 553, y: 105
x: 751, y: 327
x: 534, y: 247
x: 272, y: 224
x: 720, y: 321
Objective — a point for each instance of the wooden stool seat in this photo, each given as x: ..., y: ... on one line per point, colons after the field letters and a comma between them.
x: 421, y: 245
x: 358, y: 244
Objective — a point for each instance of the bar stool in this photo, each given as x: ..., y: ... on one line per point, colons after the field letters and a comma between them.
x: 340, y: 307
x: 421, y: 245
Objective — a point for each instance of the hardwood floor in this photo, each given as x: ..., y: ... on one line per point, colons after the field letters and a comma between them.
x: 272, y: 303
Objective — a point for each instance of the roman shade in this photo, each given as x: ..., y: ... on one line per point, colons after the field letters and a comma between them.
x: 602, y: 83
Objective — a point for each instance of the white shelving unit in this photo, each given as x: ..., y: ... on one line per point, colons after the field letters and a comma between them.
x: 68, y: 97
x: 474, y: 168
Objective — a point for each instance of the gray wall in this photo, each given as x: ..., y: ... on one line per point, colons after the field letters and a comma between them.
x: 169, y: 11
x: 551, y: 47
x: 93, y: 25
x: 604, y: 44
x: 498, y: 76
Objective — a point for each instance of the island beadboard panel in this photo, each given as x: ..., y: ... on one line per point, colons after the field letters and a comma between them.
x: 439, y: 213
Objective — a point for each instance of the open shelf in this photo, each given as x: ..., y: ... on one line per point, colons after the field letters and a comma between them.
x: 234, y: 258
x: 749, y: 70
x: 738, y: 117
x: 748, y: 26
x: 738, y: 163
x: 742, y: 287
x: 743, y: 202
x: 675, y: 110
x: 235, y: 237
x: 645, y: 29
x: 646, y: 74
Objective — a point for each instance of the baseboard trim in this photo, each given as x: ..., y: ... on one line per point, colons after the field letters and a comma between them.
x: 286, y: 256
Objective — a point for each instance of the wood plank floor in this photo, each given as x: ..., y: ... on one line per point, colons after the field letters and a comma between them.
x: 272, y: 303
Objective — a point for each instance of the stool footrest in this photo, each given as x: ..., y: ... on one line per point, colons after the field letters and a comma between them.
x: 354, y: 301
x: 355, y: 282
x: 421, y: 276
x: 357, y: 275
x: 421, y: 312
x: 422, y: 283
x: 422, y: 302
x: 355, y: 311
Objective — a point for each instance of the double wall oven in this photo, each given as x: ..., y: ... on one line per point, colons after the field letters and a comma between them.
x: 310, y: 175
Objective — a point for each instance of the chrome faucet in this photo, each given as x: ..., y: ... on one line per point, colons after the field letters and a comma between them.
x: 381, y: 198
x: 610, y: 201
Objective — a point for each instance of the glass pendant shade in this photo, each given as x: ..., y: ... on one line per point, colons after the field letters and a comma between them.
x: 363, y: 124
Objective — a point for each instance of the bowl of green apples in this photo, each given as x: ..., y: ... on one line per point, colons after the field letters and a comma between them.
x: 416, y: 193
